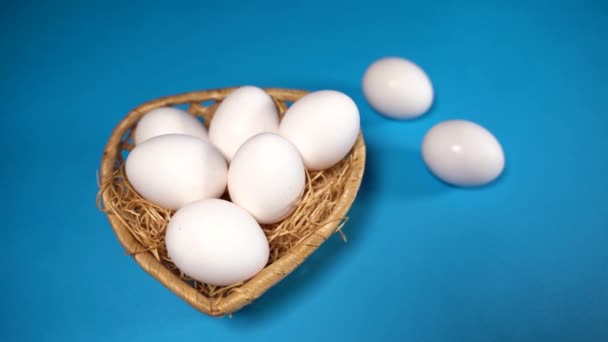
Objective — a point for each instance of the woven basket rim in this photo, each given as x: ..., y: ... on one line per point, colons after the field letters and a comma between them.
x: 271, y: 274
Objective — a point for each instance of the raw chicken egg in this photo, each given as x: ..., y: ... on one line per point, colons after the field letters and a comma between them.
x: 168, y: 120
x: 244, y: 113
x: 398, y: 88
x: 216, y: 242
x: 323, y: 126
x: 463, y: 153
x: 266, y: 177
x: 173, y: 170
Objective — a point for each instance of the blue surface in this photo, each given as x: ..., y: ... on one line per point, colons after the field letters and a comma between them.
x: 523, y: 259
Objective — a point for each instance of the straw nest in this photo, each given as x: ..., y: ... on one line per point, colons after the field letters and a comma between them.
x: 140, y: 225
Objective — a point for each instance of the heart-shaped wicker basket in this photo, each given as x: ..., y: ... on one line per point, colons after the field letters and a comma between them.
x: 140, y: 225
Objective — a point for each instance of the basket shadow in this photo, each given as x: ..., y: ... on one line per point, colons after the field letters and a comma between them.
x: 381, y: 181
x: 297, y: 285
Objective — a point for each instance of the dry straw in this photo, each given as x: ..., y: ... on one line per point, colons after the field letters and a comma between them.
x: 140, y: 225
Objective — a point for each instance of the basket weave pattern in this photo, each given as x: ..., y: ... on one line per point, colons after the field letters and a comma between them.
x: 140, y: 225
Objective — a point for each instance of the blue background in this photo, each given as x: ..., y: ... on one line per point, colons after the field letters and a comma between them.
x: 523, y: 259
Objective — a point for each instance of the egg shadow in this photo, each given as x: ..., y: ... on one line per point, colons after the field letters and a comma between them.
x: 391, y: 172
x: 399, y: 173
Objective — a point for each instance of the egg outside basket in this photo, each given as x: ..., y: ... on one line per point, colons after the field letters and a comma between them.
x: 140, y: 225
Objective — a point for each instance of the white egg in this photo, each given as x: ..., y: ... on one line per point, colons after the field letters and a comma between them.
x: 323, y: 126
x: 216, y: 242
x: 463, y: 153
x: 168, y: 120
x: 173, y: 170
x: 266, y: 177
x: 244, y: 113
x: 398, y: 88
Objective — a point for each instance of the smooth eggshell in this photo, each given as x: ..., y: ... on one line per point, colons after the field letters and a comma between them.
x: 266, y: 177
x: 398, y: 88
x: 463, y: 153
x: 168, y: 120
x: 173, y: 170
x: 323, y: 126
x: 216, y: 242
x: 244, y: 113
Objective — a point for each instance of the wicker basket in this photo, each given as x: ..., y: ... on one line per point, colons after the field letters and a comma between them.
x: 285, y: 262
